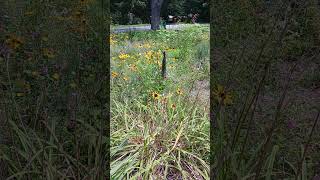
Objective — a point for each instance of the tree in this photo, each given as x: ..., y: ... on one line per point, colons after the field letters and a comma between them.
x: 155, y: 14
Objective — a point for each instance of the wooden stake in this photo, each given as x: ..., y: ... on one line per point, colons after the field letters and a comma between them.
x: 164, y: 66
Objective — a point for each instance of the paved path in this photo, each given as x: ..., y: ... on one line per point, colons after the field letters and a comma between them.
x: 148, y: 27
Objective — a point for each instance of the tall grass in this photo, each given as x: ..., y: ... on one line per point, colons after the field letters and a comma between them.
x: 51, y: 104
x: 253, y: 136
x: 164, y: 136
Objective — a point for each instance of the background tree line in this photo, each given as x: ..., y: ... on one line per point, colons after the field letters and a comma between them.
x: 139, y: 11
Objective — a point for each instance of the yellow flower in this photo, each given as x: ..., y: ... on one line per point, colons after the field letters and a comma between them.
x: 48, y: 53
x: 56, y: 76
x: 148, y: 55
x: 125, y: 78
x: 124, y: 56
x: 179, y: 91
x: 112, y: 41
x: 147, y: 45
x: 156, y: 95
x: 133, y: 67
x: 159, y: 63
x: 14, y: 42
x: 114, y: 74
x: 222, y: 96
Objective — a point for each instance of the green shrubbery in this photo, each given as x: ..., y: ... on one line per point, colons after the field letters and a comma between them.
x: 53, y: 89
x: 158, y: 129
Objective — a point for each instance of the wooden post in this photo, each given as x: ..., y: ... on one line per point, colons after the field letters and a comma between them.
x: 164, y: 66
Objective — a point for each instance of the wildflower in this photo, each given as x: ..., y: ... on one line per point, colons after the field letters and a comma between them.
x: 147, y: 46
x: 148, y: 55
x: 114, y: 74
x: 48, y: 53
x: 222, y: 96
x: 179, y: 91
x: 155, y: 95
x: 159, y: 63
x: 123, y: 56
x: 56, y: 76
x: 133, y: 67
x: 112, y: 41
x: 125, y: 78
x: 173, y: 106
x: 14, y: 42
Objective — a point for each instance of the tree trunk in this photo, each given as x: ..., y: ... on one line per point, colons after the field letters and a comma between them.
x: 155, y: 14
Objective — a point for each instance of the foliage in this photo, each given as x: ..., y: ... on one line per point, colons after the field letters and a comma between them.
x: 158, y: 129
x: 140, y: 9
x: 50, y: 80
x: 261, y: 52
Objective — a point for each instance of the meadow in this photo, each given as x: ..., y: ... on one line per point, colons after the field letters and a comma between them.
x: 53, y: 90
x: 265, y: 89
x: 160, y: 126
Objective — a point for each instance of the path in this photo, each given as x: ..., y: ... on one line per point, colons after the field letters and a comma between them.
x: 148, y: 27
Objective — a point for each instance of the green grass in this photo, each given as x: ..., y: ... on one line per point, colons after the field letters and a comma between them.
x: 51, y: 90
x: 266, y: 66
x: 165, y: 137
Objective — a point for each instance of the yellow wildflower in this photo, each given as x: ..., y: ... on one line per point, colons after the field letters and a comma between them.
x: 112, y: 41
x: 148, y: 55
x: 125, y: 78
x: 114, y: 74
x: 155, y: 95
x: 124, y: 56
x: 147, y: 46
x: 222, y: 96
x: 179, y: 91
x: 133, y: 67
x: 14, y: 42
x: 56, y: 76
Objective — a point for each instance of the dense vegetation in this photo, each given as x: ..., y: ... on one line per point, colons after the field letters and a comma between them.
x: 140, y: 10
x: 265, y: 84
x: 160, y: 127
x: 53, y: 90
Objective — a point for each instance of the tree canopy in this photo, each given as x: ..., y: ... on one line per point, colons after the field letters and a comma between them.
x: 139, y: 11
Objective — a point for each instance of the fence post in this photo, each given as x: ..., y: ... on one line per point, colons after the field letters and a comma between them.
x: 164, y: 65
